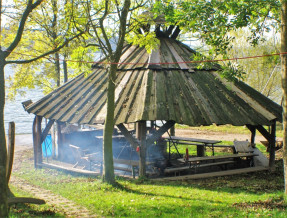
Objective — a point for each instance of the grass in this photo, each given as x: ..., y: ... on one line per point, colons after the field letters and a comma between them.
x: 228, y: 129
x: 258, y: 194
x: 30, y: 210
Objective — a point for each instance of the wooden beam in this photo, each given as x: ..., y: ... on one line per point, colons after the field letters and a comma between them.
x: 60, y: 141
x: 272, y: 145
x: 156, y: 136
x: 34, y: 141
x: 264, y: 132
x: 46, y: 130
x: 132, y: 140
x: 37, y: 140
x: 11, y: 146
x: 253, y: 133
x: 175, y: 33
x: 169, y: 30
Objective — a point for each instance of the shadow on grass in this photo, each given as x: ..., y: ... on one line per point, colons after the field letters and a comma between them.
x: 25, y: 210
x: 256, y: 183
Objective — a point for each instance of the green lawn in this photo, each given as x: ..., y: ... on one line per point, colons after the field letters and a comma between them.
x: 259, y: 194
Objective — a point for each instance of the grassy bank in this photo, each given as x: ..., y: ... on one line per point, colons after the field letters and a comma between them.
x: 258, y: 194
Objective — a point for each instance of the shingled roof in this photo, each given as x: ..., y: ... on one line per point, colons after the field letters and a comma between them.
x: 147, y: 90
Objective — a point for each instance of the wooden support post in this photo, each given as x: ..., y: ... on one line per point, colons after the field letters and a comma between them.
x: 200, y: 151
x: 141, y: 136
x: 60, y: 141
x: 253, y: 133
x: 272, y: 143
x: 172, y: 131
x: 271, y: 138
x: 46, y: 130
x: 37, y: 140
x: 11, y: 146
x: 133, y: 141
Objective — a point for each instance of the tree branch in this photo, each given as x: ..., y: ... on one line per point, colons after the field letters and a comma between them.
x: 45, y: 54
x: 30, y: 7
x: 108, y: 44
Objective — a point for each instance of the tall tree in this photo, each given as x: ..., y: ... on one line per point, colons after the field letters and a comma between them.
x: 6, y: 55
x: 110, y: 22
x: 284, y: 83
x: 101, y: 31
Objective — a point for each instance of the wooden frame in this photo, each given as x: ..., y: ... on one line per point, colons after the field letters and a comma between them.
x: 270, y: 137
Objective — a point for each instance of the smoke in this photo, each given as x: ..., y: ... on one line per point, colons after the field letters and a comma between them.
x: 84, y: 149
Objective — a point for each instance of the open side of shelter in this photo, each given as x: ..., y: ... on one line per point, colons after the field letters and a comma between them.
x: 164, y: 85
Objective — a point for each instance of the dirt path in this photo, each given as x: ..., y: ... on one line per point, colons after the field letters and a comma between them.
x: 216, y: 135
x: 61, y: 204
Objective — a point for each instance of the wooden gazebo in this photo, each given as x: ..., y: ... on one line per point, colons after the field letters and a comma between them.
x: 163, y: 85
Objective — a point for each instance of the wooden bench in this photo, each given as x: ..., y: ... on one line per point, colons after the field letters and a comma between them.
x: 196, y: 162
x: 183, y: 168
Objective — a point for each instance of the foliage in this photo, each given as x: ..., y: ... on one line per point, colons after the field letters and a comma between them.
x: 212, y: 20
x: 262, y: 73
x: 147, y: 40
x: 49, y: 25
x: 232, y: 71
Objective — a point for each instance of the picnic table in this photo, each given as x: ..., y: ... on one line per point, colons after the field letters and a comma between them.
x: 196, y: 162
x: 200, y: 143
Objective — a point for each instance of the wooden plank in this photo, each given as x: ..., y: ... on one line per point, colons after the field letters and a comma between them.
x: 11, y: 147
x: 154, y: 60
x: 70, y: 169
x: 177, y: 169
x: 177, y: 57
x: 194, y: 159
x: 130, y: 162
x: 213, y: 174
x: 251, y: 102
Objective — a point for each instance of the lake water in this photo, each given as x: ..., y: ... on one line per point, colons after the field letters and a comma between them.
x: 14, y: 110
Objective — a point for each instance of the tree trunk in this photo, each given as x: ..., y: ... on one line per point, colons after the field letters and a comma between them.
x: 3, y: 148
x: 108, y: 173
x: 58, y: 69
x: 284, y: 83
x: 65, y: 69
x: 141, y: 136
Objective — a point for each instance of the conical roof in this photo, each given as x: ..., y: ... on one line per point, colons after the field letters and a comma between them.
x: 147, y: 89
